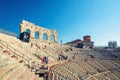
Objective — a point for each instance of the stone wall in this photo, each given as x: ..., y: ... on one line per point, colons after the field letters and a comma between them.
x: 37, y: 32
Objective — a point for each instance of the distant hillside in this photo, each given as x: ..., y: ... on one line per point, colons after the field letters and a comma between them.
x: 8, y: 32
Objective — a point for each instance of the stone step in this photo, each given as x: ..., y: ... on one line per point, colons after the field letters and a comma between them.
x: 21, y: 76
x: 6, y: 70
x: 13, y: 74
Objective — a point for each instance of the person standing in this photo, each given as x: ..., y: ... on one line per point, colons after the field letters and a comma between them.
x: 46, y: 60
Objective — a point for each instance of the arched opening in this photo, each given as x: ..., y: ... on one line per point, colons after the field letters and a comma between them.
x: 36, y: 35
x: 28, y: 31
x: 52, y: 38
x: 45, y: 37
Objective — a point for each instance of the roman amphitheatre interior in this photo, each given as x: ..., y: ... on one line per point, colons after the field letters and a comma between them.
x: 31, y: 57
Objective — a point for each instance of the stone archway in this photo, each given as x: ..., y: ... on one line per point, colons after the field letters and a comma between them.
x: 36, y: 35
x: 39, y: 31
x: 52, y: 38
x: 28, y: 31
x: 45, y: 37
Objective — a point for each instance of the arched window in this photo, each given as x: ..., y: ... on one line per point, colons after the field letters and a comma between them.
x: 28, y: 31
x: 45, y: 37
x: 52, y: 38
x: 36, y: 35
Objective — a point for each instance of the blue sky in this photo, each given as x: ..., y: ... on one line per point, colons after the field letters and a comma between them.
x: 71, y: 18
